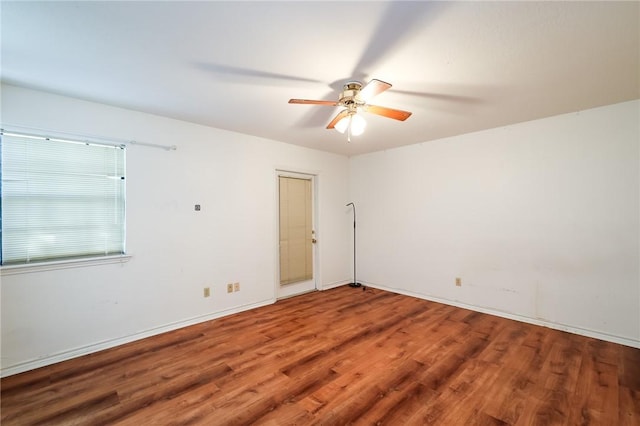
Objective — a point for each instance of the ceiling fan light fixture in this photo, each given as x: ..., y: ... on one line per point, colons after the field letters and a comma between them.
x: 357, y: 125
x: 354, y: 122
x: 342, y: 125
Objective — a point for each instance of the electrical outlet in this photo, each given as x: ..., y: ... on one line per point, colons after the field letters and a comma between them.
x: 230, y: 288
x: 459, y: 282
x: 207, y: 292
x: 236, y: 286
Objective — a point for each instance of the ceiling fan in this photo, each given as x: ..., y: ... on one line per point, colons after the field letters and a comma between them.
x: 355, y: 97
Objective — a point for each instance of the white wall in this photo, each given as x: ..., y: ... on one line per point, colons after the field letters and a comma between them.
x: 176, y: 251
x: 539, y: 219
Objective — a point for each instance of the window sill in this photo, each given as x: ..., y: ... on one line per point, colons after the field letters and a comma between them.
x: 63, y: 264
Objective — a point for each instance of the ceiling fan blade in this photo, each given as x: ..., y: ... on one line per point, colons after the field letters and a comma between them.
x: 312, y: 102
x: 337, y: 118
x: 373, y: 88
x: 396, y: 114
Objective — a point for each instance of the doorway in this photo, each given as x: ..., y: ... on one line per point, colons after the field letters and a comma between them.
x: 297, y: 236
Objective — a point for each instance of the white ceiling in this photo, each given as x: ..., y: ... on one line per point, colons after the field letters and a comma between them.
x: 458, y: 66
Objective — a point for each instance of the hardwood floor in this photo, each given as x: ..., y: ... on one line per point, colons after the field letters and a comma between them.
x: 342, y: 356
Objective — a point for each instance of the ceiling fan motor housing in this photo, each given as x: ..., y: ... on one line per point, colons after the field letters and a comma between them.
x: 350, y: 96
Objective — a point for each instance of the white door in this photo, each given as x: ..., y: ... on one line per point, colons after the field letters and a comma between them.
x: 297, y: 234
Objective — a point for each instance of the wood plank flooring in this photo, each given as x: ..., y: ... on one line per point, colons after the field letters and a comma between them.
x: 343, y: 356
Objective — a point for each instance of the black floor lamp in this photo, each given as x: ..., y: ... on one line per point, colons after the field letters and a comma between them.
x: 355, y: 282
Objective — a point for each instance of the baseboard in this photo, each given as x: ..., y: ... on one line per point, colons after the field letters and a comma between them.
x: 335, y: 284
x: 556, y: 326
x: 107, y: 344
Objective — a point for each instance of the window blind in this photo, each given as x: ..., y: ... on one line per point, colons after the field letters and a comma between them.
x: 60, y: 199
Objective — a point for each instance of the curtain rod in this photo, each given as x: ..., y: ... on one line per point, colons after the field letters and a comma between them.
x: 78, y: 138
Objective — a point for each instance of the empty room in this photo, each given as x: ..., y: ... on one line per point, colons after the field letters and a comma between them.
x: 317, y: 212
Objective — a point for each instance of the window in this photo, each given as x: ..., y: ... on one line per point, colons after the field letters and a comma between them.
x: 60, y: 199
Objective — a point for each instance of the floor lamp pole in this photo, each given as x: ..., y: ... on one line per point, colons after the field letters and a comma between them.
x: 355, y: 282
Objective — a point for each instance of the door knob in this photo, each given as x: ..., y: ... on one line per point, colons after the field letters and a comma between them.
x: 313, y: 240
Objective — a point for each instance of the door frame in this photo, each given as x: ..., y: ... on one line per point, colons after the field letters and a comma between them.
x: 293, y: 289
